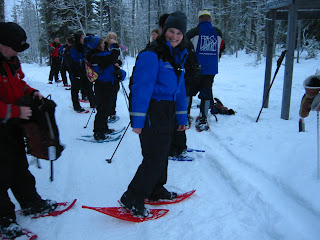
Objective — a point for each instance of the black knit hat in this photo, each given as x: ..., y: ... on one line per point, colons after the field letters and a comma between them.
x: 176, y: 20
x: 12, y: 35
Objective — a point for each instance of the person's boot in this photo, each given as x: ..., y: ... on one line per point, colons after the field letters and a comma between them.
x: 10, y: 228
x: 135, y: 206
x: 43, y: 206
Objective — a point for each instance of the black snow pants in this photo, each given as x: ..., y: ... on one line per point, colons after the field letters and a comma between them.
x: 14, y: 173
x: 104, y: 98
x: 155, y: 140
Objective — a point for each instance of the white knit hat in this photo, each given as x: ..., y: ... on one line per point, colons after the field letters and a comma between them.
x: 204, y: 12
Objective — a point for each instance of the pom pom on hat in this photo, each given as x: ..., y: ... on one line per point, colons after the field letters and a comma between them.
x: 93, y: 41
x: 176, y: 20
x: 12, y: 35
x: 204, y: 12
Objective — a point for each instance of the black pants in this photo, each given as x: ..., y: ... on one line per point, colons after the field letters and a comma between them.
x: 78, y: 83
x: 55, y: 68
x: 155, y: 141
x: 14, y: 173
x: 63, y: 72
x: 204, y: 87
x: 116, y: 88
x: 179, y: 141
x: 104, y: 97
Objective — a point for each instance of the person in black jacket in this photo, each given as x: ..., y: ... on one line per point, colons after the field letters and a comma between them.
x: 64, y: 53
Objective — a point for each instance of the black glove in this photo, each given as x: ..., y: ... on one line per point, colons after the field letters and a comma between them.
x: 115, y: 45
x: 118, y: 74
x: 115, y: 52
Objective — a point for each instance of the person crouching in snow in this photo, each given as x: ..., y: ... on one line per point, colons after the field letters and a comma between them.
x: 14, y: 173
x: 157, y: 96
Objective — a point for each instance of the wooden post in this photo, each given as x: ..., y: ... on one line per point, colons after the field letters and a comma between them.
x: 270, y: 26
x: 291, y: 40
x: 299, y: 40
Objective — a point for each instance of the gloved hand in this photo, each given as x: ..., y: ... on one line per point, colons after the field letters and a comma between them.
x: 118, y: 74
x: 115, y: 52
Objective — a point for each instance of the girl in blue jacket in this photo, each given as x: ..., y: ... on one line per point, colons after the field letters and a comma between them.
x: 157, y: 96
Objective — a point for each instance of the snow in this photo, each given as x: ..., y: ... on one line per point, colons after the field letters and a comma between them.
x: 255, y: 180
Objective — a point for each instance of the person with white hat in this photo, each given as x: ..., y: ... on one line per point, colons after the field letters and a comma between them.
x: 206, y: 40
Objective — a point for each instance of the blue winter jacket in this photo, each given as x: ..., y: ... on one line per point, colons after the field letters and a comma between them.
x: 77, y: 65
x: 156, y: 79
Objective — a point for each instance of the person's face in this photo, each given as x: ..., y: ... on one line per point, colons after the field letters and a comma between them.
x: 7, y: 52
x: 154, y: 35
x: 82, y: 39
x: 112, y: 40
x: 57, y: 40
x: 101, y: 47
x: 174, y: 36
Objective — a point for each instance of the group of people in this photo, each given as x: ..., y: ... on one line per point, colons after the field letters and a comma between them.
x: 104, y: 55
x: 172, y: 69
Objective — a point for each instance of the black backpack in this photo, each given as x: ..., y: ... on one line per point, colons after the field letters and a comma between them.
x: 218, y: 108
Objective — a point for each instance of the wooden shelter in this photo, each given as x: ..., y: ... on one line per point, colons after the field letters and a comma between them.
x: 291, y: 10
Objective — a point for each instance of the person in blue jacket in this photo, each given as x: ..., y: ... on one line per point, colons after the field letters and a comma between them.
x: 79, y: 80
x: 157, y: 97
x: 105, y: 63
x: 206, y: 40
x: 64, y: 53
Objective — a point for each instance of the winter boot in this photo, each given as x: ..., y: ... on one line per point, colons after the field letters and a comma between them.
x: 44, y: 206
x: 135, y: 206
x: 108, y: 130
x: 202, y: 124
x: 162, y: 194
x: 10, y: 228
x: 80, y: 110
x: 99, y: 136
x: 190, y: 119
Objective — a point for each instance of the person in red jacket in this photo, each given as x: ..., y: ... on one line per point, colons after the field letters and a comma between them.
x: 14, y: 173
x: 54, y: 60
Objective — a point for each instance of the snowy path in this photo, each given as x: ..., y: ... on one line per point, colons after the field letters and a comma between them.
x: 255, y: 180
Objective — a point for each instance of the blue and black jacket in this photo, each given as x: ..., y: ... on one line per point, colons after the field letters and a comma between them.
x: 159, y: 75
x: 103, y: 64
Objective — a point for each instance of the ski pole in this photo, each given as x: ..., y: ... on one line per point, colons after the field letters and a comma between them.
x: 125, y: 94
x: 52, y: 149
x: 110, y: 160
x: 274, y: 77
x: 93, y: 110
x: 318, y: 141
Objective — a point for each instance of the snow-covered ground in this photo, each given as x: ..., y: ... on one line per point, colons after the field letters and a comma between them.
x: 255, y: 180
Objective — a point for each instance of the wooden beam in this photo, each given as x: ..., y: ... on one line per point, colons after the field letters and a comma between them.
x: 269, y: 31
x: 276, y: 4
x: 291, y: 40
x: 302, y: 14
